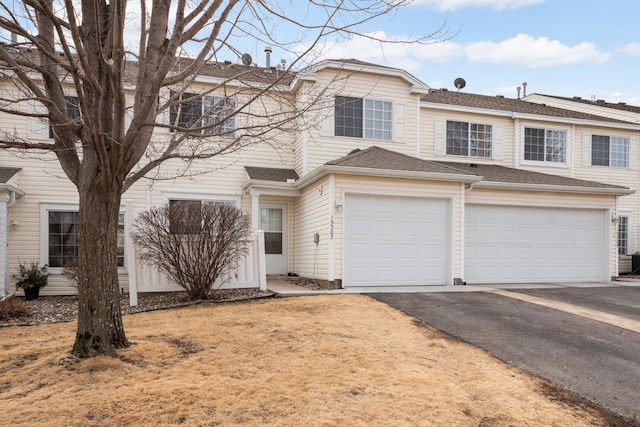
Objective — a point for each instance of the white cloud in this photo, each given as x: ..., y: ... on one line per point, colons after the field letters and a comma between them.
x: 632, y: 49
x: 629, y: 98
x: 451, y: 5
x: 525, y: 51
x: 522, y: 51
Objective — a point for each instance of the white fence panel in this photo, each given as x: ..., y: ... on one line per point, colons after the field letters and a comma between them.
x: 251, y: 271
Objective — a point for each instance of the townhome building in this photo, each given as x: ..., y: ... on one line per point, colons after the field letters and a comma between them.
x: 383, y: 182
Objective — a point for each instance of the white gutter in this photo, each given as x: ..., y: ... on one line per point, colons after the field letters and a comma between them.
x: 389, y: 173
x: 553, y: 188
x: 13, y: 193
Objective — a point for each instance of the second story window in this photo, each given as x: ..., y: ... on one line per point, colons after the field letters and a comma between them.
x: 73, y: 111
x: 363, y: 118
x: 545, y: 145
x: 468, y: 139
x: 609, y: 151
x: 202, y: 111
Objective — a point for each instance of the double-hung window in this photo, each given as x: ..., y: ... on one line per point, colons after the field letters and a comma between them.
x: 213, y: 113
x: 609, y: 151
x: 623, y: 235
x: 73, y: 111
x: 468, y: 139
x: 363, y: 118
x: 545, y: 145
x: 60, y: 243
x: 185, y: 212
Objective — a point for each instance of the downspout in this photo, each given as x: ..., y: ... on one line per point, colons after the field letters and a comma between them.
x: 418, y: 126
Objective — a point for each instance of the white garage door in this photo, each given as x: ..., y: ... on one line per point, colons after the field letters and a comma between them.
x: 521, y: 244
x: 395, y: 241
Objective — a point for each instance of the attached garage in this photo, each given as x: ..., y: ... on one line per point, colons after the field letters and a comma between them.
x: 515, y: 244
x: 395, y: 241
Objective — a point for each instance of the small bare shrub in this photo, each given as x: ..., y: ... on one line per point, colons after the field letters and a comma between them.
x: 70, y: 272
x: 12, y: 308
x: 194, y: 243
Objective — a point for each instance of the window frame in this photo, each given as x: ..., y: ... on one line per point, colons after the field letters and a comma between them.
x: 371, y: 121
x: 546, y: 129
x: 73, y: 110
x: 45, y: 208
x: 470, y: 139
x: 210, y: 112
x: 627, y: 240
x: 610, y: 151
x: 202, y: 198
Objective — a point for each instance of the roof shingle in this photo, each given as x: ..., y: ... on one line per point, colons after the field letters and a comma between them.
x: 508, y: 104
x: 7, y: 173
x: 271, y: 174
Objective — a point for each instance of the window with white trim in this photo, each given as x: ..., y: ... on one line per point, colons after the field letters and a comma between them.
x: 468, y: 139
x: 624, y: 235
x: 73, y: 110
x: 545, y: 145
x: 60, y: 242
x: 191, y: 204
x: 609, y: 151
x: 195, y: 110
x: 363, y: 118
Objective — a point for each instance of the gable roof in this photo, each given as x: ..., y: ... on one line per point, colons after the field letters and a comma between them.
x: 271, y: 174
x: 511, y: 105
x: 379, y: 158
x: 7, y: 173
x: 356, y: 65
x: 494, y: 175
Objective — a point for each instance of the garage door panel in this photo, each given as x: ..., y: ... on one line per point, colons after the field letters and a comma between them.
x: 409, y: 237
x: 534, y: 244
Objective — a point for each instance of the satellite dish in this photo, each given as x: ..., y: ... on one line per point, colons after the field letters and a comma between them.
x: 459, y: 83
x: 247, y: 59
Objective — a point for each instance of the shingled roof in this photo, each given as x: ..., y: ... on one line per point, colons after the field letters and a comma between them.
x: 7, y: 173
x: 380, y: 158
x: 224, y: 70
x: 623, y: 106
x: 500, y: 103
x: 502, y: 174
x: 271, y: 174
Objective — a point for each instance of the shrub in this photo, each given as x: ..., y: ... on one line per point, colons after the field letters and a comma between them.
x: 70, y: 272
x: 12, y: 308
x: 194, y: 243
x: 31, y: 276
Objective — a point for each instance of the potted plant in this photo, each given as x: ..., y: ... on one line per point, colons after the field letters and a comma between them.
x: 30, y: 278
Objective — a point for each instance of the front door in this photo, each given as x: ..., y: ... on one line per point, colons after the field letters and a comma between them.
x: 273, y: 221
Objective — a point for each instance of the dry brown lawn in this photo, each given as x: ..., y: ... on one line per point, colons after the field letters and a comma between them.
x: 314, y: 361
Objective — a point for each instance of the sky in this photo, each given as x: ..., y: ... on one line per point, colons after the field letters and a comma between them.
x: 586, y: 48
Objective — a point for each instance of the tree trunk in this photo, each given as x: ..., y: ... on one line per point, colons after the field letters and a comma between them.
x: 100, y: 329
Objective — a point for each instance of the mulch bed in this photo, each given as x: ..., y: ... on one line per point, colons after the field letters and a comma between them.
x: 53, y: 309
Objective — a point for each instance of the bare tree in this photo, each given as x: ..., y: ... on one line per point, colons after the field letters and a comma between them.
x: 77, y: 47
x: 197, y: 245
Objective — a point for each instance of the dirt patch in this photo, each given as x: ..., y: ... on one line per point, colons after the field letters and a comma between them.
x: 321, y: 360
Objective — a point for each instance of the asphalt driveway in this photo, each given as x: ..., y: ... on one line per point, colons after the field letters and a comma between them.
x: 596, y: 360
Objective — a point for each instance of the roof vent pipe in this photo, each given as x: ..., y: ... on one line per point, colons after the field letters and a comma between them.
x: 518, y: 89
x: 267, y: 52
x: 524, y: 89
